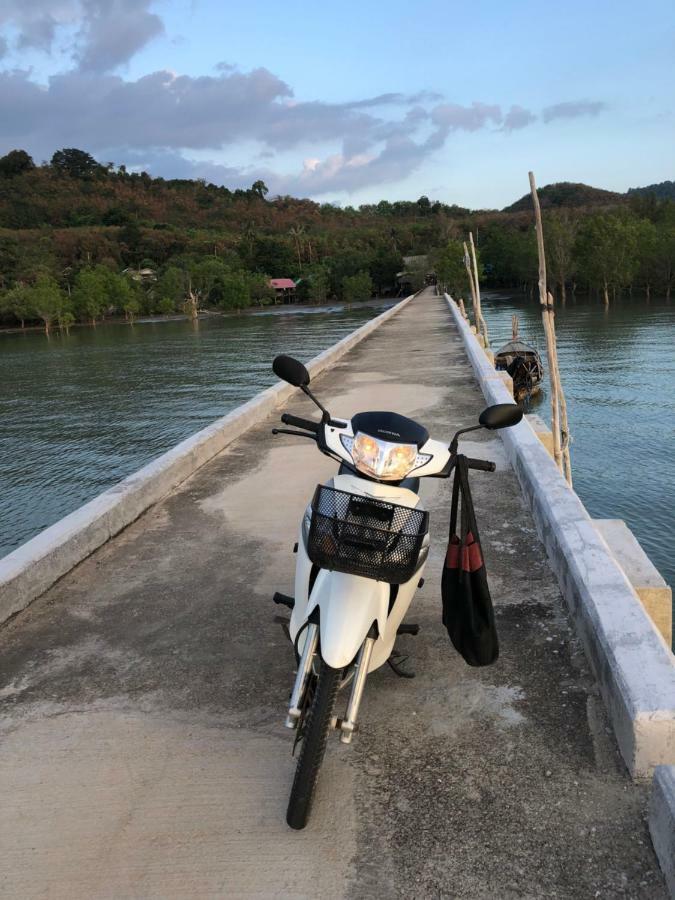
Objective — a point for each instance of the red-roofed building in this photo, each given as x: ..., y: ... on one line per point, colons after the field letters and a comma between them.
x: 284, y: 289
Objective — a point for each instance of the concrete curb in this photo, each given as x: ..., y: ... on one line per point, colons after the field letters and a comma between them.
x: 32, y: 568
x: 632, y: 663
x: 662, y: 821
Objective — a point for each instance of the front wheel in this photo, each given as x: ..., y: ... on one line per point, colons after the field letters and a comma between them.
x: 316, y: 730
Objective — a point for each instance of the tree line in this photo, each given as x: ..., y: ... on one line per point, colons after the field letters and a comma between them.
x: 81, y: 240
x: 602, y: 253
x: 133, y: 263
x: 186, y: 286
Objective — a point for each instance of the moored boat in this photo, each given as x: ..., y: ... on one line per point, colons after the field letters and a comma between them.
x: 523, y: 364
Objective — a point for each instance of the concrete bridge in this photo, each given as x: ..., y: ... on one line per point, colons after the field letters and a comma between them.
x: 143, y: 695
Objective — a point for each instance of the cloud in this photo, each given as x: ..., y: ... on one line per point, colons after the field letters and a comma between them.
x: 3, y: 47
x: 157, y: 121
x: 36, y: 21
x: 573, y: 109
x: 113, y: 31
x: 97, y: 111
x: 394, y: 99
x: 162, y: 111
x: 337, y: 173
x: 172, y: 164
x: 518, y: 117
x: 454, y: 117
x: 107, y: 33
x: 379, y: 100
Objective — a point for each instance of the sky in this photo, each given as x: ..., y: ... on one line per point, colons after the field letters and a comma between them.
x: 349, y: 102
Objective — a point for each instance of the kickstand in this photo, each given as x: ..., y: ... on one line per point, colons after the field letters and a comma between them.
x: 396, y: 662
x: 284, y: 622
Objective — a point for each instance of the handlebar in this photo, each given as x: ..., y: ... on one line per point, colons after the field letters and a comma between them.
x: 484, y: 465
x: 298, y: 422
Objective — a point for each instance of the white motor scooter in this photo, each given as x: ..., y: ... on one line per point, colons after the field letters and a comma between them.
x: 363, y: 544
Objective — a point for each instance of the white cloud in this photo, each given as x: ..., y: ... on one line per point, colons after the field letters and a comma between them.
x: 518, y: 117
x: 107, y: 33
x: 157, y: 120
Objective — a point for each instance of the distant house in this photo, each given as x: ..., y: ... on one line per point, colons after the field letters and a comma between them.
x: 417, y: 272
x: 142, y: 275
x: 284, y: 288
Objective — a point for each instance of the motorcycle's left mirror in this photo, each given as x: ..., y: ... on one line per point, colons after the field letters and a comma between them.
x: 290, y: 370
x: 501, y: 415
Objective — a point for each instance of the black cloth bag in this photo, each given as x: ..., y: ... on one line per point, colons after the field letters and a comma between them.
x: 467, y: 607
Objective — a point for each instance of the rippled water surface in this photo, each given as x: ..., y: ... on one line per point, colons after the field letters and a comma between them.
x: 618, y: 372
x: 79, y: 412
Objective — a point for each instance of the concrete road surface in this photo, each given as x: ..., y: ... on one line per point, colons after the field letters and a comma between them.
x: 142, y: 747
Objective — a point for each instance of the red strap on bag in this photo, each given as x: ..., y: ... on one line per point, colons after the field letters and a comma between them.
x: 467, y: 548
x: 468, y: 551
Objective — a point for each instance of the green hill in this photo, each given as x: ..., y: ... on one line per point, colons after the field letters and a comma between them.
x: 567, y: 194
x: 664, y: 190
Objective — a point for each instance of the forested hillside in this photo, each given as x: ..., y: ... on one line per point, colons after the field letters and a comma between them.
x: 80, y: 240
x: 568, y: 194
x: 665, y: 190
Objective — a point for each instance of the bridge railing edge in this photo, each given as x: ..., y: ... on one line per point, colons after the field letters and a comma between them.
x: 30, y: 570
x: 632, y: 663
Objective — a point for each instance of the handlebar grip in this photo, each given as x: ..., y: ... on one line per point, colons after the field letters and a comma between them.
x: 484, y: 465
x: 296, y: 421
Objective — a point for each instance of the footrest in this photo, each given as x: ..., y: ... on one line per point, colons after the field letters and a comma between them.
x: 413, y: 629
x: 283, y: 600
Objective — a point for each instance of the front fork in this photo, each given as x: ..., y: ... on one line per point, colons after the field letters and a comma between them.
x: 301, y: 679
x: 347, y: 725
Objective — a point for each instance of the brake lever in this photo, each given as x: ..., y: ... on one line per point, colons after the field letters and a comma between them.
x: 447, y: 469
x: 306, y: 434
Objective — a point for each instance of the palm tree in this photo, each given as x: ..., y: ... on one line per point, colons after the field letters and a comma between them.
x: 248, y: 236
x: 297, y: 233
x: 260, y: 188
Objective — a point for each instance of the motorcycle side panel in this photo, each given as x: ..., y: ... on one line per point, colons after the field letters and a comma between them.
x: 303, y: 568
x: 385, y: 644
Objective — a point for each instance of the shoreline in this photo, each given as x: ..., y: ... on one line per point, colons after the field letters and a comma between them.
x: 271, y: 309
x: 35, y: 565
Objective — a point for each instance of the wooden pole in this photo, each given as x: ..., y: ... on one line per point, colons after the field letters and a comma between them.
x: 467, y: 266
x: 560, y: 429
x: 482, y: 327
x: 564, y: 424
x: 460, y: 303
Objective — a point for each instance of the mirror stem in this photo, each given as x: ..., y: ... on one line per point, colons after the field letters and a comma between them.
x: 455, y: 440
x: 306, y: 390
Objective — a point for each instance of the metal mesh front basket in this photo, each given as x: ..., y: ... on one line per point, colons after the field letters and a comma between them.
x: 363, y: 536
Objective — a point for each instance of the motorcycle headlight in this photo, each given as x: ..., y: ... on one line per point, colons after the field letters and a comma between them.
x: 382, y: 459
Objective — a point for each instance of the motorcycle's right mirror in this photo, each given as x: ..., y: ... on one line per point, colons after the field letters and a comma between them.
x: 290, y: 370
x: 501, y: 415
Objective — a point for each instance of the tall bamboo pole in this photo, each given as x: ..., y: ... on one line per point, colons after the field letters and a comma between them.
x: 564, y: 425
x: 483, y: 325
x: 543, y: 300
x: 561, y: 453
x: 474, y: 301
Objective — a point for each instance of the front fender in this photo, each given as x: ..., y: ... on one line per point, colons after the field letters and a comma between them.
x: 348, y: 605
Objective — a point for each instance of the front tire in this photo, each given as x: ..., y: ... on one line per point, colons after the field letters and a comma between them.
x: 313, y: 746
